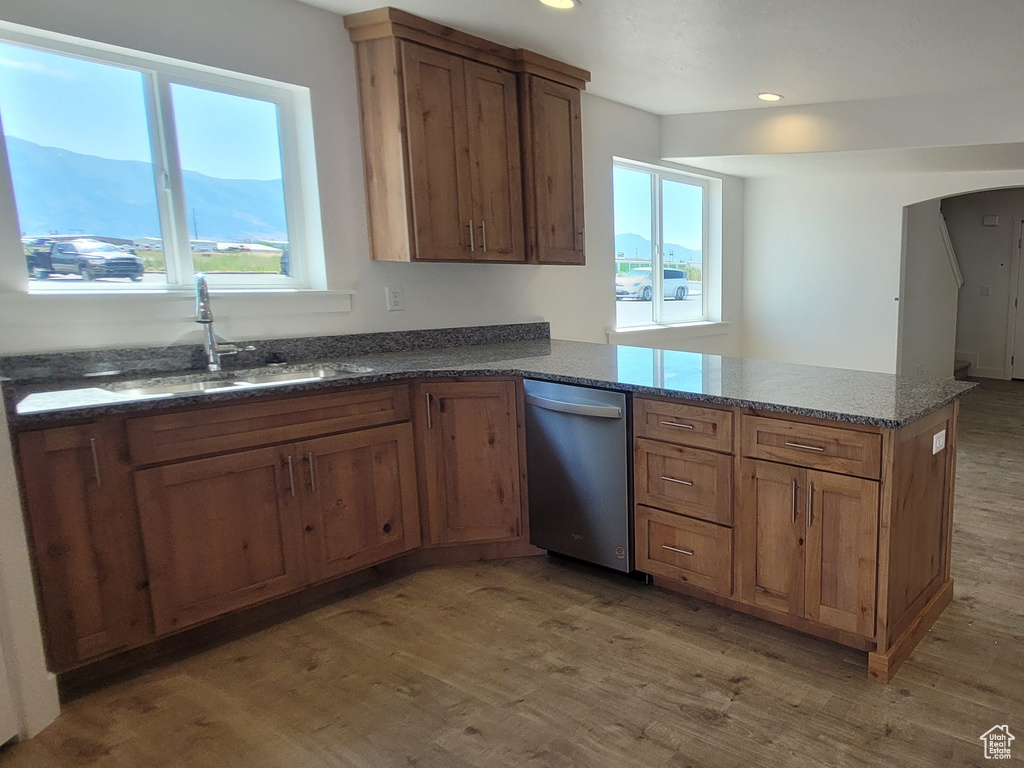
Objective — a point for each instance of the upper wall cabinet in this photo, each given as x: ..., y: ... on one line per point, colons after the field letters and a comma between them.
x: 472, y: 151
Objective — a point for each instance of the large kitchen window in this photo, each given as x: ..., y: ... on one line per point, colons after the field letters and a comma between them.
x: 132, y: 173
x: 661, y: 244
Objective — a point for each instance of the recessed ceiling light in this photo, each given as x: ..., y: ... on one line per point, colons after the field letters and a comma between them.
x: 769, y: 97
x: 562, y: 4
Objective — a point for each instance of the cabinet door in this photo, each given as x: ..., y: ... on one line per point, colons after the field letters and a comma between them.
x: 220, y: 533
x: 842, y: 545
x: 770, y: 531
x: 360, y: 504
x: 553, y: 151
x: 495, y: 163
x: 80, y: 514
x: 435, y: 107
x: 471, y: 461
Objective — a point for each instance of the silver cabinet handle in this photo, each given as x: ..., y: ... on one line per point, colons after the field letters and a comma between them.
x: 291, y: 476
x: 673, y: 480
x: 810, y: 504
x: 312, y: 471
x: 794, y: 502
x: 95, y: 462
x: 430, y: 424
x: 483, y: 233
x: 676, y: 425
x: 801, y: 447
x: 680, y: 551
x: 472, y: 242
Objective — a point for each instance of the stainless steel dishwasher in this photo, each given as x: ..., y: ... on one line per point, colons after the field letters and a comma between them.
x: 578, y: 471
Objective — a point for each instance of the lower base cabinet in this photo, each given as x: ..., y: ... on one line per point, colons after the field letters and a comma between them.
x: 362, y: 506
x: 220, y: 534
x: 685, y: 549
x: 807, y: 544
x: 471, y: 461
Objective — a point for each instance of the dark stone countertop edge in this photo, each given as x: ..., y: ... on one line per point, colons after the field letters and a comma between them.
x: 22, y: 422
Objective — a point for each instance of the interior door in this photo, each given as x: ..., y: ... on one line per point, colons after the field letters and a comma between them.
x: 361, y: 507
x: 842, y: 546
x: 435, y: 107
x: 471, y: 461
x: 1017, y: 360
x: 770, y: 528
x: 495, y: 163
x: 220, y: 533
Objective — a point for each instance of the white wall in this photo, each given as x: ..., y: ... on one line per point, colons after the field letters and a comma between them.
x: 927, y: 306
x: 821, y: 270
x: 287, y: 41
x: 986, y: 256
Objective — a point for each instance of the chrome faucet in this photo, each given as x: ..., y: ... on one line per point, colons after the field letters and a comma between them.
x: 204, y: 316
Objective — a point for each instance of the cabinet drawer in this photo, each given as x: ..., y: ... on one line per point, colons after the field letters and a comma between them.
x: 205, y: 431
x: 683, y: 424
x: 684, y: 480
x: 682, y: 548
x: 832, y: 449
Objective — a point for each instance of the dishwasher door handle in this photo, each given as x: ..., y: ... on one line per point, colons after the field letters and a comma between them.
x: 579, y: 409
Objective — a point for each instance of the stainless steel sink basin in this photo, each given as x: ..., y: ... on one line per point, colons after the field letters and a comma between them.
x: 195, y: 383
x: 299, y: 375
x: 156, y: 390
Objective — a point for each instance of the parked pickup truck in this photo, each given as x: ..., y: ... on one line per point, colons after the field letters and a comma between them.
x: 87, y: 258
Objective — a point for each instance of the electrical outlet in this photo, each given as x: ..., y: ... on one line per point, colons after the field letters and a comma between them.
x: 938, y: 442
x: 394, y: 298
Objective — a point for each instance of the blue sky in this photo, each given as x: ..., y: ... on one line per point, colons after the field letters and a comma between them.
x: 99, y: 109
x: 683, y: 208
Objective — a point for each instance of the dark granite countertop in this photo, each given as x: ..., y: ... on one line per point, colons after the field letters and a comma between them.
x: 828, y: 393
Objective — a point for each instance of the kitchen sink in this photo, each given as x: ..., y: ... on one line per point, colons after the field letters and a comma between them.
x: 268, y: 377
x: 301, y: 374
x: 156, y: 390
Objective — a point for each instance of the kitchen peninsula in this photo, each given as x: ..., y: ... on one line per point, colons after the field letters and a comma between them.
x: 817, y: 498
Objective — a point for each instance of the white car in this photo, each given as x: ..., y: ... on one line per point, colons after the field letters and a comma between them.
x: 637, y: 284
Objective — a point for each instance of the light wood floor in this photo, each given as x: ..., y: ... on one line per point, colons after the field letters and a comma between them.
x: 540, y: 663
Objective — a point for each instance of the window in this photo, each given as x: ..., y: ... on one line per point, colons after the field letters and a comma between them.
x: 130, y: 173
x: 661, y: 238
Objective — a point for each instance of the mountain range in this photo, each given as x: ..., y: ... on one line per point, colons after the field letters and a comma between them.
x: 630, y: 245
x: 58, y: 190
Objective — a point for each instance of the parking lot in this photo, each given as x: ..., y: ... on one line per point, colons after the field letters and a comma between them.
x: 631, y: 312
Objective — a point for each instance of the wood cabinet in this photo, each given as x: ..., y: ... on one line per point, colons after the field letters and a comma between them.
x: 84, y: 538
x: 470, y: 458
x: 220, y: 534
x: 553, y: 171
x: 472, y: 151
x: 361, y: 507
x: 808, y: 543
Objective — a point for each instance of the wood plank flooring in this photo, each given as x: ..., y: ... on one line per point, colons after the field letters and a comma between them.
x: 538, y: 662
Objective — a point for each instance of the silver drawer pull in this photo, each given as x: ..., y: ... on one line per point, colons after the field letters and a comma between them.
x: 680, y: 551
x: 291, y: 476
x: 801, y: 447
x: 95, y: 462
x: 677, y: 425
x: 673, y: 480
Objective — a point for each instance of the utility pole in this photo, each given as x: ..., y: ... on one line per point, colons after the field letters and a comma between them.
x: 195, y: 225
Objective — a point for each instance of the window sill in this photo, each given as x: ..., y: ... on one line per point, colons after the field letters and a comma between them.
x: 678, y: 330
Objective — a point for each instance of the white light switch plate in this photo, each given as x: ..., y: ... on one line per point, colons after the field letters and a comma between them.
x: 938, y: 442
x: 394, y: 298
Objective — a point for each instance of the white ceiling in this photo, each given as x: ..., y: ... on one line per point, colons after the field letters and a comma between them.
x: 675, y: 56
x: 987, y: 157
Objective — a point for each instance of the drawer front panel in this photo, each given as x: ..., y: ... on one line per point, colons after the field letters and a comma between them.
x: 683, y: 424
x: 831, y: 449
x: 210, y: 430
x: 685, y: 549
x: 684, y: 480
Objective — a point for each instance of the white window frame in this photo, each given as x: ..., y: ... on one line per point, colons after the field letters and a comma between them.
x: 305, y: 241
x: 658, y: 173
